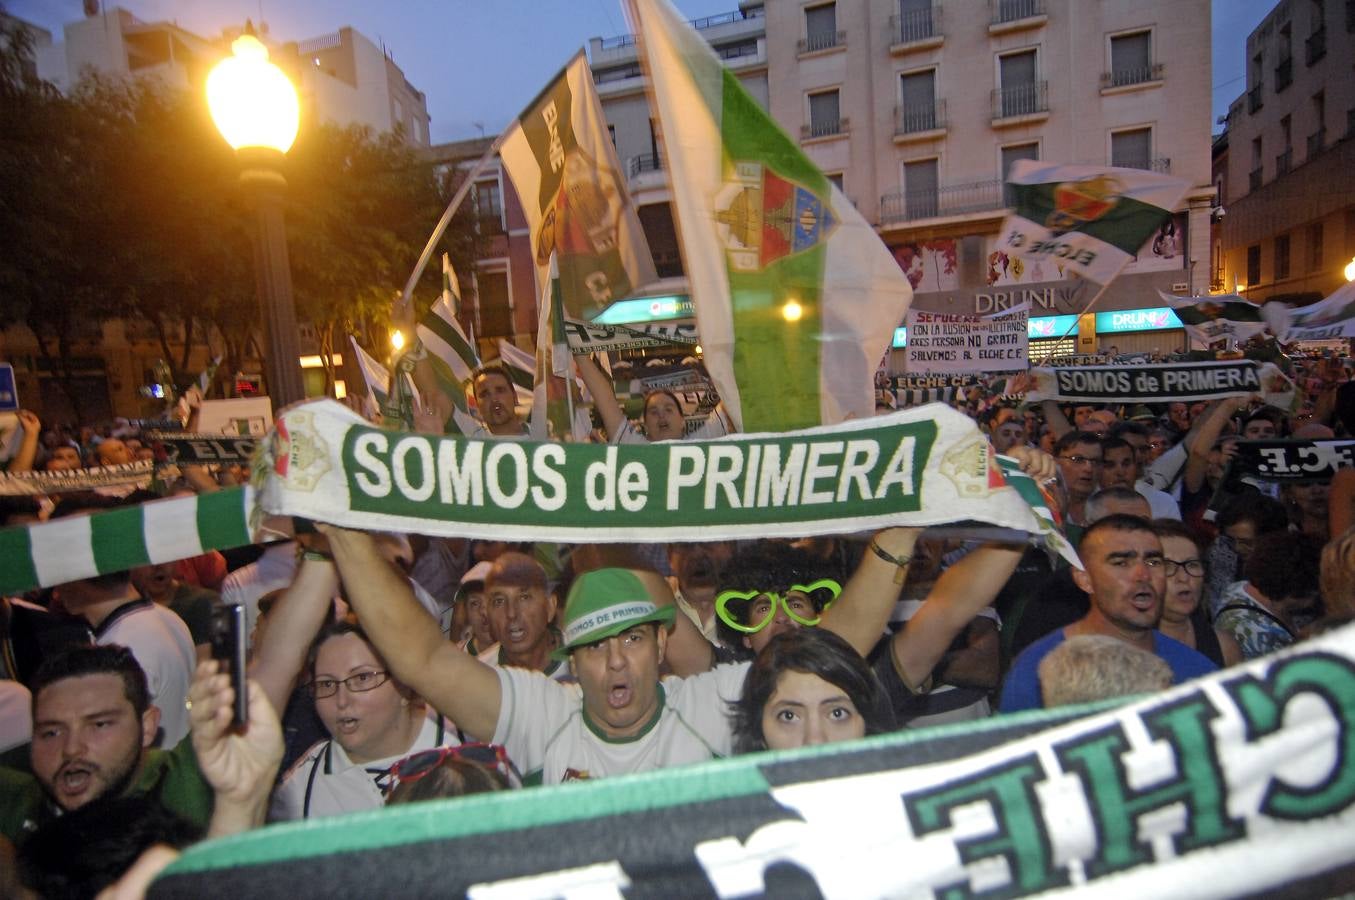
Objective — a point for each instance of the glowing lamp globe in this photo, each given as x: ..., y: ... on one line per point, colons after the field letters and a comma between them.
x: 252, y: 102
x: 1350, y: 270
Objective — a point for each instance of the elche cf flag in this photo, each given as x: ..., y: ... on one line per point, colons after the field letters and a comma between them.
x: 1217, y: 317
x: 796, y: 298
x: 1090, y: 219
x: 563, y: 165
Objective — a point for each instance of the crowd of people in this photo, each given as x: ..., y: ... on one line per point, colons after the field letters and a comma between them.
x: 391, y: 668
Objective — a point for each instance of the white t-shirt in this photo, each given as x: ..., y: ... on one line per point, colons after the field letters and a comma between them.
x: 558, y: 671
x: 325, y: 782
x: 160, y: 641
x: 546, y: 733
x: 717, y: 424
x: 16, y: 715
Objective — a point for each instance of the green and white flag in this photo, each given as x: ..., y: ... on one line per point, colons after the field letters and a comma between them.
x: 1330, y: 319
x: 562, y: 163
x: 1091, y: 219
x: 445, y: 358
x: 101, y: 543
x: 521, y: 367
x: 555, y: 397
x: 1217, y: 318
x: 796, y: 297
x: 374, y: 376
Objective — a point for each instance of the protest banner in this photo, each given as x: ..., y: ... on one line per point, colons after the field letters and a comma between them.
x: 940, y: 342
x: 240, y: 415
x: 1162, y: 383
x: 1238, y: 784
x: 916, y: 467
x: 180, y: 448
x: 157, y: 531
x: 64, y: 481
x: 1329, y: 319
x: 1292, y: 460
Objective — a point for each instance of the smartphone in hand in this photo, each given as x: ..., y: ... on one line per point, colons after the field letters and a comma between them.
x: 228, y: 647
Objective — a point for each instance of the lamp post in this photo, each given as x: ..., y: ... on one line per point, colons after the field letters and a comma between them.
x: 256, y: 110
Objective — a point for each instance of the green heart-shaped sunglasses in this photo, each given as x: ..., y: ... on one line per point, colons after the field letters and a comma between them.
x: 797, y: 601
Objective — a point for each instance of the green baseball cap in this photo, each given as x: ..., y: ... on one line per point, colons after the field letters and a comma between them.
x: 605, y: 602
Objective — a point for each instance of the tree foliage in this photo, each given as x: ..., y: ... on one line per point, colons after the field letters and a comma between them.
x: 122, y: 199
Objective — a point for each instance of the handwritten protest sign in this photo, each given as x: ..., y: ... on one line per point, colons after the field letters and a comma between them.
x: 940, y: 342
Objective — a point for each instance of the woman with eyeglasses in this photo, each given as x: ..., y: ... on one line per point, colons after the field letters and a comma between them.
x: 1183, y: 616
x: 373, y: 722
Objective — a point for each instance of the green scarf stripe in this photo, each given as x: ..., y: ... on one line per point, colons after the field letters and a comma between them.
x: 776, y: 363
x: 16, y: 549
x: 453, y: 338
x: 223, y: 519
x: 118, y: 540
x: 1126, y: 226
x: 490, y: 813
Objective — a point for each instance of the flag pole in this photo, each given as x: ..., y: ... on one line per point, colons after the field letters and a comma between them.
x: 403, y: 302
x: 1086, y: 309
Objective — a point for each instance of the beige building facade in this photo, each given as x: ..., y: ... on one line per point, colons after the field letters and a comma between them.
x: 916, y: 109
x: 1287, y: 176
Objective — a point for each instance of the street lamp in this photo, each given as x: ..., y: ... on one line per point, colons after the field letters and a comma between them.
x: 256, y: 110
x: 1350, y: 269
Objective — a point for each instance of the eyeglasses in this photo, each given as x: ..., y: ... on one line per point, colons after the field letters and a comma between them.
x: 1194, y: 567
x: 798, y: 603
x: 1083, y: 461
x: 358, y: 683
x: 491, y: 756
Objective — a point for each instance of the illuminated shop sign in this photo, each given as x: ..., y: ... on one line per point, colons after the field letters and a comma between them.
x: 1155, y: 319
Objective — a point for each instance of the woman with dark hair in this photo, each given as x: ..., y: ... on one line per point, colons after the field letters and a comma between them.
x: 662, y: 415
x: 1183, y: 616
x: 808, y: 686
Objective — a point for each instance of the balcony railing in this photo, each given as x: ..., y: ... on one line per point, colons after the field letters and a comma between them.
x: 918, y: 25
x: 1021, y: 100
x: 950, y: 200
x: 621, y: 73
x: 1254, y: 179
x: 1154, y: 164
x: 1136, y: 75
x: 737, y: 51
x: 1014, y: 10
x: 1282, y: 162
x: 645, y: 162
x: 1316, y: 142
x: 1254, y: 99
x: 1315, y: 47
x: 917, y: 118
x: 826, y: 128
x: 1284, y: 74
x: 824, y: 40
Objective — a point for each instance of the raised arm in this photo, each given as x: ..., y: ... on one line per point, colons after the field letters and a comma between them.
x: 28, y: 447
x: 604, y: 394
x: 959, y: 594
x: 860, y: 613
x: 1201, y: 440
x: 457, y: 684
x: 293, y: 622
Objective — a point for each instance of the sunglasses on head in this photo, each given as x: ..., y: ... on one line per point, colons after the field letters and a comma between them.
x: 491, y: 756
x: 798, y: 602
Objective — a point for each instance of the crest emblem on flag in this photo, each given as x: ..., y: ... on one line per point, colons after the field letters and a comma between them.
x: 763, y: 217
x: 1082, y: 201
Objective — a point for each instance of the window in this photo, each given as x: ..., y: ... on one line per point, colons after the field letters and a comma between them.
x: 1284, y: 68
x: 611, y: 133
x: 1254, y: 264
x: 656, y: 219
x: 917, y: 22
x: 821, y: 27
x: 1286, y: 155
x: 488, y: 206
x: 823, y: 114
x: 1131, y: 59
x: 1020, y: 93
x: 917, y: 102
x: 1132, y: 149
x: 1315, y: 47
x: 1318, y: 138
x: 836, y: 179
x: 1254, y: 178
x: 1314, y: 246
x: 1282, y: 257
x: 920, y: 188
x: 496, y: 317
x: 1010, y: 155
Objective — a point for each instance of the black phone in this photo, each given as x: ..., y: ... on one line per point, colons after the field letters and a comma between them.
x: 228, y: 646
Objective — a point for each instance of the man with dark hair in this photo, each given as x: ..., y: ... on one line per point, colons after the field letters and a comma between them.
x: 496, y: 400
x: 1079, y: 457
x: 1125, y: 580
x: 93, y: 726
